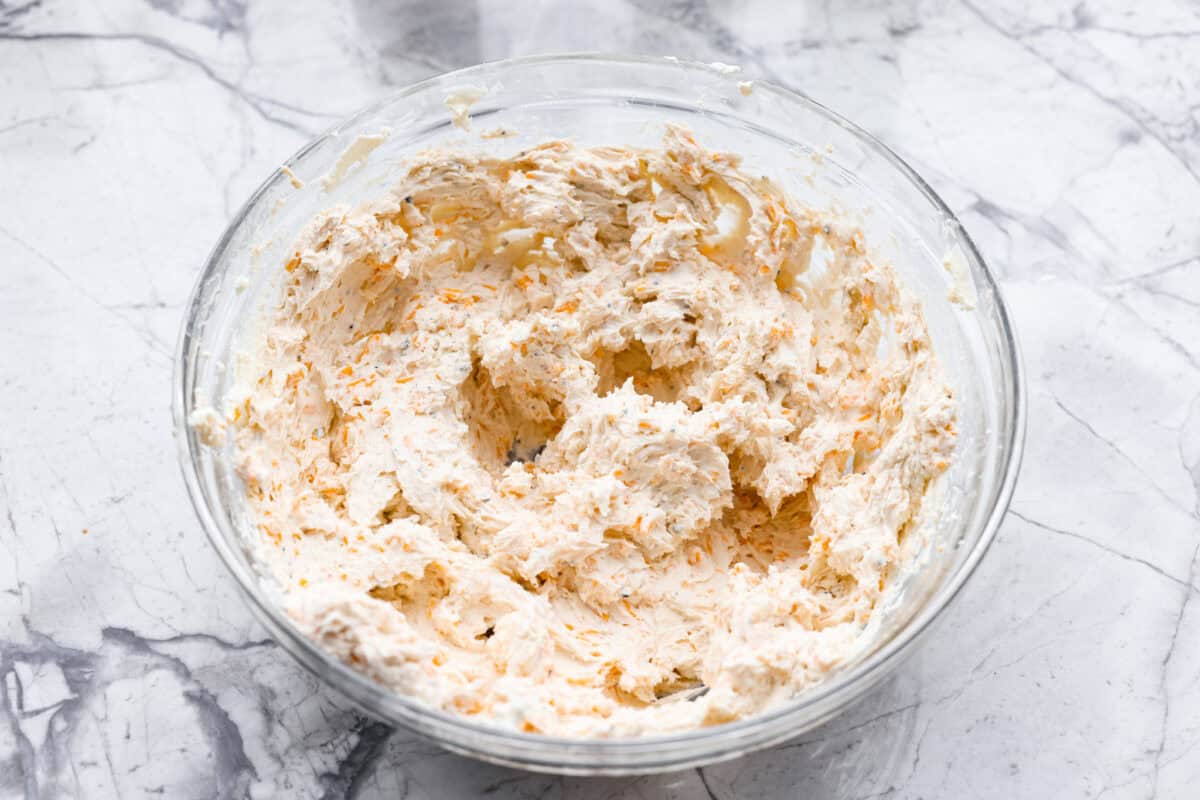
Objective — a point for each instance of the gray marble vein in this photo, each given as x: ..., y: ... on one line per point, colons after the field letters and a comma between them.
x: 1066, y: 135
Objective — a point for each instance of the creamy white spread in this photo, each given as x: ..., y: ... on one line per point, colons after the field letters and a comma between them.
x: 459, y: 104
x: 589, y: 441
x: 354, y: 155
x: 961, y: 292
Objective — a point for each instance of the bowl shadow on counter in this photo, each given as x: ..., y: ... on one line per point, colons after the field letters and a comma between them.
x: 871, y: 748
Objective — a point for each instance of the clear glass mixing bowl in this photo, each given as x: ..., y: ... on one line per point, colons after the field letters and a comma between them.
x: 820, y: 158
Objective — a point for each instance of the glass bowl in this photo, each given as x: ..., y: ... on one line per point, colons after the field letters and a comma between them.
x: 819, y: 158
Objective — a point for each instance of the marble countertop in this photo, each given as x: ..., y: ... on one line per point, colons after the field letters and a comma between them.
x: 1065, y: 134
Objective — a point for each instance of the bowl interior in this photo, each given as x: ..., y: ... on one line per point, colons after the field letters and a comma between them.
x: 820, y: 160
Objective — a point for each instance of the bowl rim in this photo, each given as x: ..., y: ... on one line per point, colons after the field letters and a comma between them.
x: 416, y: 715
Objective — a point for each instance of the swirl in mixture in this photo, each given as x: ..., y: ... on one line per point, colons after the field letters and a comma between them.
x: 555, y: 440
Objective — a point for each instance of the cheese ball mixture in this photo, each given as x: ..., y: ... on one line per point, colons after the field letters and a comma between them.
x: 589, y: 441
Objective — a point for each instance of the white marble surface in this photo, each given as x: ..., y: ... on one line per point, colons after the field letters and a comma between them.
x: 1066, y: 136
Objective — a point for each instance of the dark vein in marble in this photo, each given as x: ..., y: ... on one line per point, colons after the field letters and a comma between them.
x: 180, y: 638
x: 21, y: 123
x: 837, y: 734
x: 78, y: 670
x: 1164, y: 668
x: 704, y: 782
x: 697, y: 18
x: 144, y: 333
x: 1148, y: 36
x: 1193, y: 468
x: 1170, y: 341
x: 891, y: 791
x: 233, y: 769
x: 11, y: 543
x: 109, y: 86
x: 123, y: 654
x: 916, y: 762
x: 229, y: 195
x: 259, y: 103
x: 496, y: 786
x: 1083, y: 22
x: 226, y: 16
x: 1007, y: 218
x: 25, y: 768
x: 1117, y: 104
x: 1099, y: 545
x: 1178, y: 298
x: 1037, y: 225
x: 9, y: 14
x: 6, y: 501
x: 353, y: 771
x: 1160, y: 271
x: 1128, y: 459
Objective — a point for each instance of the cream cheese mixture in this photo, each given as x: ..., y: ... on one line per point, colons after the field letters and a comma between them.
x: 589, y: 441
